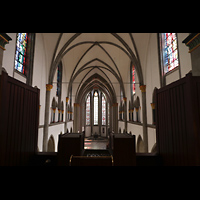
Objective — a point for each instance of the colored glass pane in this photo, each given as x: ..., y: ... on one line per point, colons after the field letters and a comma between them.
x: 59, y: 80
x: 88, y: 110
x: 133, y: 79
x: 103, y: 110
x: 170, y: 51
x: 20, y: 54
x: 96, y: 108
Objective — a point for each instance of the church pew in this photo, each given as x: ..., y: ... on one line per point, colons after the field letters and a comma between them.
x: 44, y: 159
x: 148, y: 159
x: 91, y: 161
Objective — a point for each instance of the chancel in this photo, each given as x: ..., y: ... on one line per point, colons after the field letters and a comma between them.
x: 99, y: 99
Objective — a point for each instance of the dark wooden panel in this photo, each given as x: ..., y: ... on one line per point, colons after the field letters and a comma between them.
x: 19, y: 116
x: 91, y: 161
x: 124, y: 150
x: 69, y: 144
x: 178, y: 116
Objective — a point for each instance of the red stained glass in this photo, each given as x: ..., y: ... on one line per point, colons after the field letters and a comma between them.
x: 88, y: 110
x: 170, y: 51
x: 133, y: 79
x: 103, y: 110
x: 20, y: 54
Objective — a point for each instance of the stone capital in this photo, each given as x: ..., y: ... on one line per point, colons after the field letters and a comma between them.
x: 76, y: 105
x: 192, y: 41
x: 125, y: 99
x: 49, y: 87
x: 143, y: 88
x: 153, y: 105
x: 115, y: 105
x: 4, y: 39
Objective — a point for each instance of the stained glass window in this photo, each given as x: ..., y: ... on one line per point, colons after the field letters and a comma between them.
x: 59, y: 80
x: 88, y: 110
x: 133, y: 79
x: 108, y: 114
x: 169, y: 51
x: 103, y: 110
x: 20, y: 54
x: 96, y: 101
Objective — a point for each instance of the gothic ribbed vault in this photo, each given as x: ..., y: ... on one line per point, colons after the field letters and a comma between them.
x: 107, y: 54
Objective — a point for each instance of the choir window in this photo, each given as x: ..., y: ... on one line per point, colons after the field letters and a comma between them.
x: 103, y: 110
x: 96, y: 101
x: 88, y: 110
x: 169, y: 51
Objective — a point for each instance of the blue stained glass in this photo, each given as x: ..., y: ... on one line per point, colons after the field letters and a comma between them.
x: 20, y: 54
x: 166, y: 61
x: 170, y: 52
x: 59, y: 79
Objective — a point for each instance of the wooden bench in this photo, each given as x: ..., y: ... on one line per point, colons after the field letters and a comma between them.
x: 91, y: 161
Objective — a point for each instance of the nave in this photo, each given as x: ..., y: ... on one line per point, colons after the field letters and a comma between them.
x: 69, y: 88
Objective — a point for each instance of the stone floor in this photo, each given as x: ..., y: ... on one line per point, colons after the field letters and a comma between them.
x: 95, y: 144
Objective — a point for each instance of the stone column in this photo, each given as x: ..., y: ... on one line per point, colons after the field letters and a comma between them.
x: 4, y: 39
x: 100, y: 112
x: 115, y: 117
x: 132, y: 114
x: 76, y: 117
x: 153, y: 113
x: 46, y: 117
x: 137, y: 115
x: 193, y: 42
x: 144, y: 117
x: 125, y: 112
x: 66, y: 114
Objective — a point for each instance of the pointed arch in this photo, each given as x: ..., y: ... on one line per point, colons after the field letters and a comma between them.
x: 154, y: 148
x: 140, y: 145
x: 51, y: 144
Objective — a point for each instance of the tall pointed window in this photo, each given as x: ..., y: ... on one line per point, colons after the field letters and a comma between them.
x: 133, y: 79
x: 96, y: 102
x: 103, y: 110
x: 21, y: 52
x: 59, y: 80
x: 108, y: 114
x: 88, y: 110
x: 24, y: 55
x: 169, y: 51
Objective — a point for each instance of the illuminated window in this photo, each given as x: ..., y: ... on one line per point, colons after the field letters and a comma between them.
x: 169, y: 51
x: 21, y: 52
x: 108, y: 114
x: 133, y: 79
x: 59, y: 80
x: 96, y: 101
x: 88, y: 110
x: 103, y: 110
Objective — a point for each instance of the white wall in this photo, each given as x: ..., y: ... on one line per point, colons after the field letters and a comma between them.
x: 9, y: 55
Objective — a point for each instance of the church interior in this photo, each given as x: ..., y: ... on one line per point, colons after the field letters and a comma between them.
x: 99, y: 99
